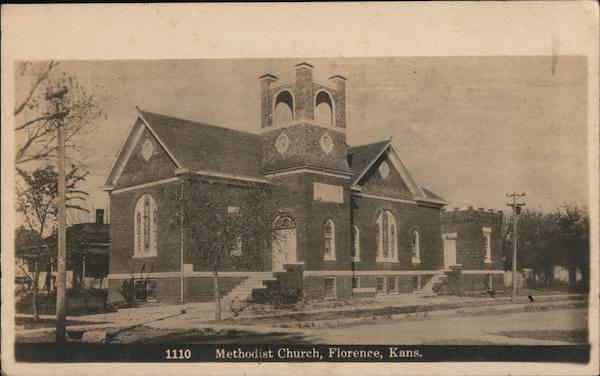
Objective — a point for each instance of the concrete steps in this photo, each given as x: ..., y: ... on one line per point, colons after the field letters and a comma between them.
x: 427, y: 289
x: 243, y: 291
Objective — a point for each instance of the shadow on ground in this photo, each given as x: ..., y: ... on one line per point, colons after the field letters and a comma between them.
x: 571, y: 336
x: 144, y: 335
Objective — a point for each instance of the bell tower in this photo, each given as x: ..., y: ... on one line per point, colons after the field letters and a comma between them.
x: 303, y: 123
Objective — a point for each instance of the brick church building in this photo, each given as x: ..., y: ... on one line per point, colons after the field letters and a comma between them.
x: 379, y: 231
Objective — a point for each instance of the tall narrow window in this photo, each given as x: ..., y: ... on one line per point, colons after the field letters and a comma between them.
x: 146, y: 227
x: 487, y: 246
x: 386, y: 237
x: 378, y: 239
x: 415, y: 247
x: 154, y: 228
x: 236, y: 250
x: 355, y: 243
x: 138, y: 233
x: 329, y: 237
x: 393, y: 241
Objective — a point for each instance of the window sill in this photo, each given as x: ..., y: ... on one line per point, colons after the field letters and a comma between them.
x: 144, y: 255
x: 329, y: 259
x: 387, y: 260
x: 416, y: 262
x: 355, y: 260
x: 488, y: 262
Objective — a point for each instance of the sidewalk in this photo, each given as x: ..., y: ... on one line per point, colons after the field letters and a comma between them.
x: 201, y: 315
x: 129, y: 316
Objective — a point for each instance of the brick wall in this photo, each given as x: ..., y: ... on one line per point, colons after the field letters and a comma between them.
x: 339, y: 99
x: 304, y: 92
x: 202, y: 289
x: 314, y: 288
x: 169, y: 232
x: 296, y: 199
x: 406, y: 284
x: 468, y: 225
x: 258, y: 250
x: 138, y: 171
x: 196, y: 289
x: 343, y: 287
x: 168, y: 290
x: 304, y: 148
x: 122, y: 208
x: 391, y: 186
x: 409, y: 217
x: 266, y: 100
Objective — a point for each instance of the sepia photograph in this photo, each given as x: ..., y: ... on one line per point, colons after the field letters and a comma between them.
x: 422, y: 208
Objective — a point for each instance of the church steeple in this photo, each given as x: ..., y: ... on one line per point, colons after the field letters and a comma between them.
x: 303, y: 122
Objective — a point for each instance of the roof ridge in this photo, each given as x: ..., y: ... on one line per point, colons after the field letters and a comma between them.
x: 370, y: 144
x: 196, y: 122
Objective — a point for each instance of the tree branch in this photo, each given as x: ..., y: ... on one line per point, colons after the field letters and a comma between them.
x: 41, y: 78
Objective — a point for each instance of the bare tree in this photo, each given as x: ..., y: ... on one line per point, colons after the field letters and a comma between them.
x: 35, y: 116
x: 36, y: 201
x: 225, y: 228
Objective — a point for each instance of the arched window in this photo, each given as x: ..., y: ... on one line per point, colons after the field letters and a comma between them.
x: 415, y: 247
x: 323, y: 108
x: 487, y: 246
x: 284, y: 222
x: 284, y: 108
x: 387, y: 247
x: 146, y: 227
x: 355, y: 243
x: 329, y: 237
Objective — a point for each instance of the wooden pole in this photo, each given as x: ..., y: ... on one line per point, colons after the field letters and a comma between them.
x: 61, y: 278
x: 513, y: 295
x: 515, y: 207
x: 181, y: 223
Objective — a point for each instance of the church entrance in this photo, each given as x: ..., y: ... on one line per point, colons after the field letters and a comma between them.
x: 283, y: 242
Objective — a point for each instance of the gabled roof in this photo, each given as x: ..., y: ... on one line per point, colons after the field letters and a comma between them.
x: 198, y: 146
x: 194, y: 146
x: 210, y: 149
x: 430, y: 194
x: 361, y: 159
x: 361, y: 156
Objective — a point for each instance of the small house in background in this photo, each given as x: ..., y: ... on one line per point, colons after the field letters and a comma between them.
x: 87, y: 256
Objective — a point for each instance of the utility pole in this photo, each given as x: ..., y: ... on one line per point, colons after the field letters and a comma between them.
x: 516, y: 207
x: 61, y: 278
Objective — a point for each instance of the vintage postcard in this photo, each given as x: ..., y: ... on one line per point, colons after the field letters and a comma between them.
x: 359, y: 188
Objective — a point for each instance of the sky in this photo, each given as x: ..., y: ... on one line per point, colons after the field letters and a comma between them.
x: 470, y: 129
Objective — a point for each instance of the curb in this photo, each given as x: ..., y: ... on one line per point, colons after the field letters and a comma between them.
x: 410, y: 308
x: 458, y: 312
